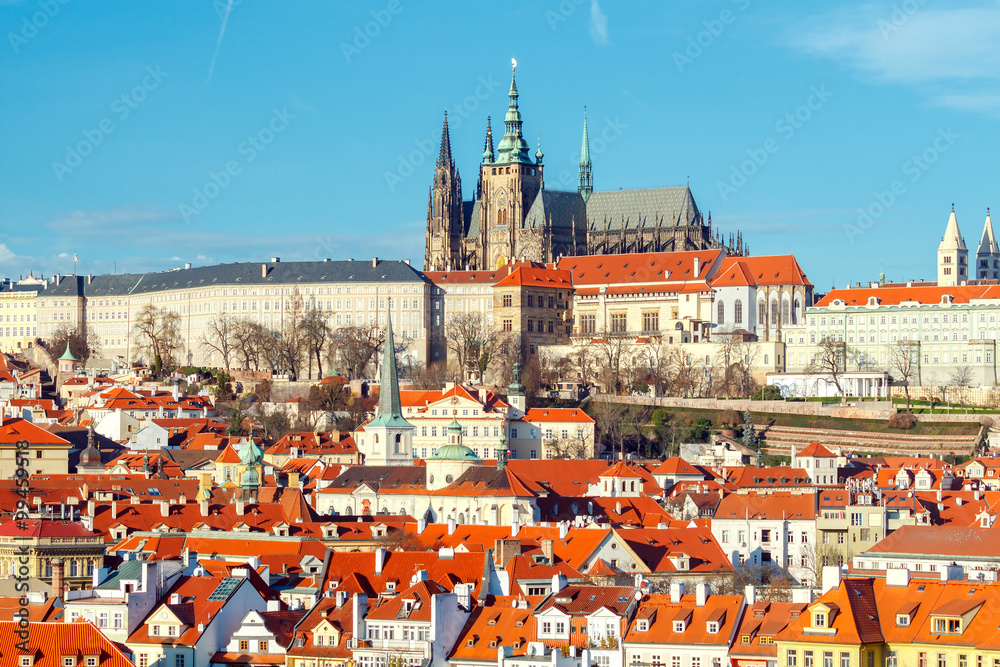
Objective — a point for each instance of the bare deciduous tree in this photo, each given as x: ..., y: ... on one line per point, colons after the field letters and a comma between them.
x: 220, y: 336
x: 157, y: 334
x: 356, y: 347
x: 831, y: 359
x: 316, y: 331
x: 83, y: 343
x: 474, y: 341
x: 904, y: 365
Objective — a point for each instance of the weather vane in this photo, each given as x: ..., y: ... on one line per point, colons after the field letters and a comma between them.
x: 513, y: 64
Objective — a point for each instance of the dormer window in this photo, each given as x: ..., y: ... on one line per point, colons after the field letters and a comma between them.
x: 819, y: 619
x: 952, y: 626
x: 712, y: 628
x: 26, y: 661
x: 679, y: 626
x: 902, y: 620
x: 642, y: 626
x: 68, y: 661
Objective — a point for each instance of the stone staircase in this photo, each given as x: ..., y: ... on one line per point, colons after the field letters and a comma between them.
x: 780, y: 439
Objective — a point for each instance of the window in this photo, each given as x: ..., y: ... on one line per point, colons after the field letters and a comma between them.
x: 588, y: 324
x: 244, y: 646
x: 618, y: 322
x: 262, y: 645
x: 722, y: 312
x: 845, y: 660
x: 507, y: 300
x: 651, y: 321
x: 792, y: 658
x: 819, y: 620
x: 738, y: 312
x: 180, y: 661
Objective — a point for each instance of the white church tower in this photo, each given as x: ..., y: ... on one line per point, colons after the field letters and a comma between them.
x: 953, y: 255
x: 988, y: 255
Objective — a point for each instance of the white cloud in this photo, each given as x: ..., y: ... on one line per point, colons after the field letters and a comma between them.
x: 598, y: 25
x: 951, y: 56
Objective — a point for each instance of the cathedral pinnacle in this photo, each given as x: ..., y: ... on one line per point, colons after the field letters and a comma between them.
x: 488, y: 155
x: 586, y: 182
x: 513, y: 147
x: 444, y: 157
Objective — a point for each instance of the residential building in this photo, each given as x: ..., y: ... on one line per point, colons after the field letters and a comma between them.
x: 26, y: 446
x: 54, y: 644
x: 536, y: 303
x: 194, y: 620
x: 775, y: 530
x: 693, y: 630
x: 761, y: 295
x: 261, y: 639
x: 62, y: 553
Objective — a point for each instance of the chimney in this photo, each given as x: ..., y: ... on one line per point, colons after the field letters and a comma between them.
x: 187, y: 265
x: 175, y: 598
x: 832, y: 575
x: 203, y: 506
x: 263, y: 270
x: 953, y: 572
x: 90, y: 507
x: 451, y: 525
x: 421, y: 525
x: 293, y: 480
x: 58, y: 579
x: 900, y: 577
x: 701, y: 592
x: 558, y: 582
x: 697, y: 266
x: 750, y: 594
x: 274, y: 605
x: 164, y: 508
x: 939, y: 495
x: 374, y: 262
x: 563, y: 530
x: 975, y: 495
x: 380, y: 555
x: 958, y: 501
x: 515, y: 528
x: 342, y: 598
x: 182, y: 500
x: 114, y: 509
x: 548, y: 550
x: 676, y: 592
x: 275, y: 260
x: 240, y: 507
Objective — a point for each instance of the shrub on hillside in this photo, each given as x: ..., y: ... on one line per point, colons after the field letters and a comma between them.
x: 902, y: 420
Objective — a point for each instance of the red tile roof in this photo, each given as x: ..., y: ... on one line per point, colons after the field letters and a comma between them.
x: 49, y: 642
x: 761, y: 270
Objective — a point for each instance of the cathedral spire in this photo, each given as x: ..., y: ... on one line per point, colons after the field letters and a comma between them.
x: 488, y: 154
x: 586, y: 184
x: 513, y: 147
x: 444, y: 157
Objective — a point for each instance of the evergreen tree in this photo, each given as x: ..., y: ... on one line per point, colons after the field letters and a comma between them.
x: 750, y: 440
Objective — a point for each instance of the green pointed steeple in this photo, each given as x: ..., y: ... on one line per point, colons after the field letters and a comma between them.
x: 67, y: 355
x: 513, y: 147
x: 586, y: 185
x: 389, y: 410
x: 488, y: 154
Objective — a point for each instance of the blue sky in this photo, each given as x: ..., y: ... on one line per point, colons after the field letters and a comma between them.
x: 142, y: 135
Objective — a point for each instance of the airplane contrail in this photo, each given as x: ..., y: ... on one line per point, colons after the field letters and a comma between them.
x: 222, y: 31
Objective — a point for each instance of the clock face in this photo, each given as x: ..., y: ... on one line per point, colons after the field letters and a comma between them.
x: 502, y: 199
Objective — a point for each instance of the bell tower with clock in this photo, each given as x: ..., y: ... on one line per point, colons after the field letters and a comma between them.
x: 510, y: 182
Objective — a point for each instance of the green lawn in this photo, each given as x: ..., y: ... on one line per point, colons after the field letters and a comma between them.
x: 821, y: 422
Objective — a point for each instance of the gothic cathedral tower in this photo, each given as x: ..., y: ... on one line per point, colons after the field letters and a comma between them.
x: 510, y: 182
x: 445, y: 228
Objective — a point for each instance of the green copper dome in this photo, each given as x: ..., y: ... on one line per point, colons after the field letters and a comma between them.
x: 454, y: 428
x: 455, y: 453
x: 67, y: 355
